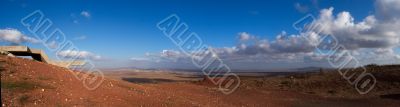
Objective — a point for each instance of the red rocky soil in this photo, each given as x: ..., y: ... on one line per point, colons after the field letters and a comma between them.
x: 30, y: 83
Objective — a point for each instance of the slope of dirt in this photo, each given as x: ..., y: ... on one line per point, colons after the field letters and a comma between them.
x: 29, y: 83
x: 332, y: 84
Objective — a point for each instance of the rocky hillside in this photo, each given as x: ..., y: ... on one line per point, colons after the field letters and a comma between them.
x: 25, y: 82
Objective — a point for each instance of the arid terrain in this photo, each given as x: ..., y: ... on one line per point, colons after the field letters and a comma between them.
x: 25, y: 82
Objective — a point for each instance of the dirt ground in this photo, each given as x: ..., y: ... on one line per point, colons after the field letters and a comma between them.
x: 29, y: 83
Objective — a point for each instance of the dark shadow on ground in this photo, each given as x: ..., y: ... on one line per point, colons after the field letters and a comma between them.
x: 147, y: 80
x: 391, y: 96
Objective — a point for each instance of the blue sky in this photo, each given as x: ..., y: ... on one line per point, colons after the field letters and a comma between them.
x: 121, y: 30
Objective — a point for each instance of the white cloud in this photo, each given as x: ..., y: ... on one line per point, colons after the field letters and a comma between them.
x: 85, y: 14
x: 171, y: 55
x: 388, y: 9
x: 371, y: 40
x: 79, y: 54
x: 15, y: 36
x: 375, y: 34
x: 379, y: 30
x: 244, y: 36
x: 282, y: 44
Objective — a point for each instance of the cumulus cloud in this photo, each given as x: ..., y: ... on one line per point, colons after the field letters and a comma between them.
x: 85, y: 14
x: 387, y: 9
x: 244, y: 36
x: 166, y: 59
x: 15, y: 36
x: 79, y: 54
x: 377, y: 33
x: 379, y: 30
x: 171, y: 55
x: 283, y: 43
x: 370, y: 40
x: 163, y: 56
x: 352, y: 35
x: 231, y: 57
